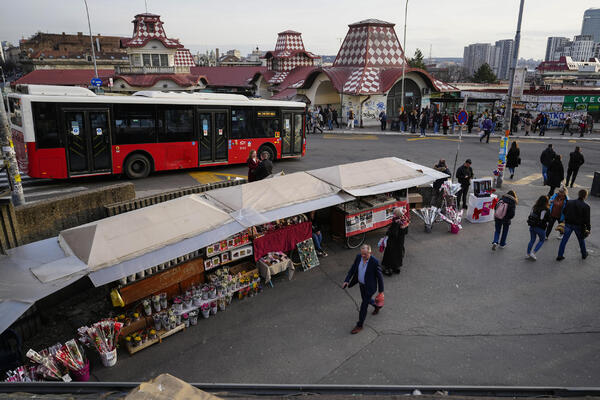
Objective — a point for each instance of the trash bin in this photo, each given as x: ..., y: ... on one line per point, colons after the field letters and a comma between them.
x: 595, y: 191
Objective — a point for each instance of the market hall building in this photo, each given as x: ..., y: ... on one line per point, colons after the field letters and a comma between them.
x: 365, y: 77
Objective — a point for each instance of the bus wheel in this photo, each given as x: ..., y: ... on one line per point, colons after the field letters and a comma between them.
x: 137, y: 166
x: 269, y: 150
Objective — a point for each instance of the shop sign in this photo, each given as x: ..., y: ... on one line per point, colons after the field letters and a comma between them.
x: 593, y: 107
x: 583, y: 99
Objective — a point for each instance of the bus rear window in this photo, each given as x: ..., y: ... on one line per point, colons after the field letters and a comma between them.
x: 46, y: 125
x: 14, y: 105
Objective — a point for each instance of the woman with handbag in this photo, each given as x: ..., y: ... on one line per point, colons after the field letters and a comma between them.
x: 558, y: 201
x: 513, y: 158
x: 394, y: 249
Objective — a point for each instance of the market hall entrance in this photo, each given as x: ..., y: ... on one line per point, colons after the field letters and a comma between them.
x: 412, y: 97
x: 291, y: 134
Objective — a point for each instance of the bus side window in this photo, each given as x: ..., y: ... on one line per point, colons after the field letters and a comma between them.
x: 267, y: 123
x: 179, y: 125
x: 45, y: 125
x: 135, y: 123
x: 242, y: 123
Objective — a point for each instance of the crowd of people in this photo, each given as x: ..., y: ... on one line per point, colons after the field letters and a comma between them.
x: 422, y: 120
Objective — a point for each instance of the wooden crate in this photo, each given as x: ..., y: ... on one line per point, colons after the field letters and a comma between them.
x: 160, y: 335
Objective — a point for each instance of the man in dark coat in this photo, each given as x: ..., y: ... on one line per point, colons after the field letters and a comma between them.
x: 265, y: 167
x: 464, y: 174
x: 576, y: 160
x: 546, y: 159
x: 556, y: 174
x: 394, y: 249
x: 365, y: 271
x: 577, y: 219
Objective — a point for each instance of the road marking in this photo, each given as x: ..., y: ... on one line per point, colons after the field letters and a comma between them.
x: 211, y: 177
x: 353, y: 137
x: 590, y: 176
x: 527, y: 180
x: 572, y: 141
x: 33, y: 192
x: 434, y: 138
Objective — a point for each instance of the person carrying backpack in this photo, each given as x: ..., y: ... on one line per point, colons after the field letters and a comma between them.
x: 537, y: 221
x: 503, y: 214
x: 558, y: 201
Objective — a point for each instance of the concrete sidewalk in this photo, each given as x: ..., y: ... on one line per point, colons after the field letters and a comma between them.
x: 550, y: 134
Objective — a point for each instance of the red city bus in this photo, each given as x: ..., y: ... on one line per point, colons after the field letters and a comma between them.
x: 66, y: 132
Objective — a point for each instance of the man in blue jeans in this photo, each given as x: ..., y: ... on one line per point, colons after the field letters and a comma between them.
x: 577, y: 219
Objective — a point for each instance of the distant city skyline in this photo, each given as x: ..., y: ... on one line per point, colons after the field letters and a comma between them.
x: 245, y: 25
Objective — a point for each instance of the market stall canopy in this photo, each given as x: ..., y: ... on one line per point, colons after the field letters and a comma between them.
x: 275, y: 198
x: 366, y: 178
x: 118, y: 246
x: 31, y: 272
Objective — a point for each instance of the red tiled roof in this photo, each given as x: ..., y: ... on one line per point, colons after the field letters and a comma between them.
x: 285, y: 94
x: 230, y: 76
x: 152, y: 79
x: 70, y: 77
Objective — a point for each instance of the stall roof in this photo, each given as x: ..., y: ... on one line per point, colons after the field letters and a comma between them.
x: 123, y: 237
x: 381, y: 175
x: 278, y: 197
x: 20, y: 286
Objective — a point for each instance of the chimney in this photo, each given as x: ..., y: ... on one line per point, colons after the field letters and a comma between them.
x: 79, y: 33
x: 217, y: 54
x: 97, y: 44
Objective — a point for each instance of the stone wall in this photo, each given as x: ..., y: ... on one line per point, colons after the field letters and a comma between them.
x: 46, y: 218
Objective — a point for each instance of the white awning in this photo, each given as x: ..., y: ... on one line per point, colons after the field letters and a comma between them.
x: 275, y: 198
x: 377, y: 176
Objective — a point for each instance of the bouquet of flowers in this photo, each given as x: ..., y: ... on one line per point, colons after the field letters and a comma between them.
x: 48, y: 368
x: 102, y: 336
x: 71, y: 356
x: 428, y: 215
x: 453, y: 218
x: 23, y: 373
x: 450, y: 189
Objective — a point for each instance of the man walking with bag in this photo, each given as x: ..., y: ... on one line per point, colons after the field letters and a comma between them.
x: 576, y: 160
x: 365, y: 271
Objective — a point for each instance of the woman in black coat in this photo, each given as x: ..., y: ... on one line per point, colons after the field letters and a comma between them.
x: 394, y: 250
x: 513, y: 158
x: 556, y: 174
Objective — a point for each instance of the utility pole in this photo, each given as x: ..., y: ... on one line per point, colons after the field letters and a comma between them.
x: 405, y: 59
x: 91, y: 39
x: 10, y: 159
x: 508, y: 109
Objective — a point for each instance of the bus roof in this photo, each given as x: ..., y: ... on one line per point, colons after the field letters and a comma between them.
x: 73, y: 94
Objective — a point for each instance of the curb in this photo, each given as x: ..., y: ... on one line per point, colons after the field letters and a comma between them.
x: 359, y: 131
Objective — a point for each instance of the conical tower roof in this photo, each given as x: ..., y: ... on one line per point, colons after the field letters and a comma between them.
x: 370, y: 43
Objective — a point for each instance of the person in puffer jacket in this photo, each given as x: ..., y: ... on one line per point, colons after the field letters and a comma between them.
x: 504, y: 213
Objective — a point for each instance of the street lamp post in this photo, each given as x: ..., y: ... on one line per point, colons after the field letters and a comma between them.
x: 404, y: 51
x: 509, y: 100
x: 91, y: 39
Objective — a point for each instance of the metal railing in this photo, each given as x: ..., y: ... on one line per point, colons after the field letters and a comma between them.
x: 130, y: 205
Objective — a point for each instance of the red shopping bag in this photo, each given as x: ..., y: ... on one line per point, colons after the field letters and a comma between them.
x: 379, y: 299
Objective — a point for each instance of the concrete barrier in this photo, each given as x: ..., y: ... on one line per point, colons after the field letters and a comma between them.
x: 46, y: 218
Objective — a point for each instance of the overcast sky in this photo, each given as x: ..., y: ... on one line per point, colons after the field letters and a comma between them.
x: 445, y: 25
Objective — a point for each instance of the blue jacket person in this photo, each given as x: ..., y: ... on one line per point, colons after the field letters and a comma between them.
x: 365, y: 271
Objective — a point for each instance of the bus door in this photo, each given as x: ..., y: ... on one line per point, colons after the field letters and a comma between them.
x: 88, y: 143
x: 213, y: 136
x: 292, y: 133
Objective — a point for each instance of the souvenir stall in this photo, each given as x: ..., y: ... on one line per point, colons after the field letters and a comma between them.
x: 482, y: 201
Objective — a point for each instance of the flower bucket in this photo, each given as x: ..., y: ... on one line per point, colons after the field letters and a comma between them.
x: 157, y: 322
x: 163, y: 301
x: 109, y: 359
x: 83, y: 374
x: 193, y: 317
x: 206, y: 313
x: 197, y: 300
x: 454, y: 228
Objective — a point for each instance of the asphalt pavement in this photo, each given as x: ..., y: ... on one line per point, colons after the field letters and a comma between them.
x: 458, y: 314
